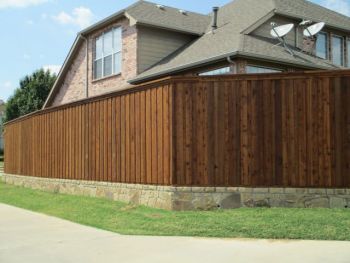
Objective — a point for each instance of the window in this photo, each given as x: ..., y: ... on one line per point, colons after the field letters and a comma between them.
x: 348, y: 49
x: 338, y: 50
x: 322, y: 45
x: 219, y: 71
x: 260, y: 70
x: 108, y: 59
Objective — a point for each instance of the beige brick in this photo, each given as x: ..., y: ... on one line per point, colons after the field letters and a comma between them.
x: 73, y: 87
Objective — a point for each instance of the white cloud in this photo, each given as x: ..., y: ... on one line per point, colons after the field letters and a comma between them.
x: 52, y: 68
x: 44, y: 16
x: 7, y: 84
x: 30, y: 22
x: 341, y: 6
x: 20, y: 3
x: 80, y: 16
x: 26, y: 56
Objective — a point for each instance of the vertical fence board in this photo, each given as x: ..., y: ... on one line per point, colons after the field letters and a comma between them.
x: 260, y: 130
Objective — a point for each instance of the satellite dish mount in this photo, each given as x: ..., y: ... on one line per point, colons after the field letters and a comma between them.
x: 279, y: 32
x: 310, y: 32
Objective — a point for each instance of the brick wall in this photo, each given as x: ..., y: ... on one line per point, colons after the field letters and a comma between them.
x: 73, y: 87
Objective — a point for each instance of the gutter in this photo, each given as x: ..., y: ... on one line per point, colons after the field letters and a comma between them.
x: 182, y: 68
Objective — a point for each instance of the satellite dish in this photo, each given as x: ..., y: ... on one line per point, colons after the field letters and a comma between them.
x: 305, y: 23
x: 281, y: 31
x: 314, y: 29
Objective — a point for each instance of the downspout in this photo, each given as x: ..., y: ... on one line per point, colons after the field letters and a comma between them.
x: 87, y: 67
x: 229, y: 59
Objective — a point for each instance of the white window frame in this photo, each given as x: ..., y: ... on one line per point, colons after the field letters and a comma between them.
x: 342, y: 49
x: 276, y: 70
x: 103, y: 56
x: 327, y: 45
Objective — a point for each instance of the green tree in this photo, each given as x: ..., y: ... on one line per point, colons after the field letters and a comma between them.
x: 31, y: 94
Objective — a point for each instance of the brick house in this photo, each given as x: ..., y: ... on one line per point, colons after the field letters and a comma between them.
x: 2, y: 113
x: 147, y: 41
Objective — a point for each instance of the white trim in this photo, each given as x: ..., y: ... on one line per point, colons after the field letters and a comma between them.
x: 103, y: 56
x: 327, y: 45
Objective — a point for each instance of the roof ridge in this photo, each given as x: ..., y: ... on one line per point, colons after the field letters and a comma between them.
x: 323, y: 7
x: 172, y: 7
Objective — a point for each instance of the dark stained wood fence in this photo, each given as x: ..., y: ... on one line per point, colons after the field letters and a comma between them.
x: 286, y: 130
x: 117, y: 138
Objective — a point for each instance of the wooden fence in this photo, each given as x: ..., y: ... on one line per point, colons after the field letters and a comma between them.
x: 286, y: 130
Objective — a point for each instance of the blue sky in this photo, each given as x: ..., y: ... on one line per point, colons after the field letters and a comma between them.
x: 39, y: 33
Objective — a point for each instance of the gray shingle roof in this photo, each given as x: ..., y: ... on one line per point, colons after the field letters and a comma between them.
x: 144, y: 12
x: 309, y: 10
x: 228, y: 39
x: 148, y: 13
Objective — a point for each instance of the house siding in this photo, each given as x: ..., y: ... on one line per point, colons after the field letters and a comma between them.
x: 155, y: 44
x: 73, y: 87
x: 265, y: 29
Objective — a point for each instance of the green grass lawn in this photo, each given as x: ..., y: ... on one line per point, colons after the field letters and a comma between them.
x: 122, y: 218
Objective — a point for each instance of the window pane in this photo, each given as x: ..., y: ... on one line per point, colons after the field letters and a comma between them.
x: 348, y: 49
x: 117, y: 40
x: 107, y: 66
x: 321, y: 45
x: 220, y: 71
x: 98, y: 69
x: 117, y: 63
x: 98, y: 47
x: 337, y: 51
x: 260, y: 70
x: 108, y: 43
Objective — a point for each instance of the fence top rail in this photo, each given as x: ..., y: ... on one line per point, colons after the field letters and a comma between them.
x: 175, y: 79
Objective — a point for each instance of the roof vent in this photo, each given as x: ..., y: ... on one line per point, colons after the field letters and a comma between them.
x: 183, y: 12
x: 161, y: 7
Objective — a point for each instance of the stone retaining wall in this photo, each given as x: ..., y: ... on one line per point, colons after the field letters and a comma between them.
x: 190, y: 198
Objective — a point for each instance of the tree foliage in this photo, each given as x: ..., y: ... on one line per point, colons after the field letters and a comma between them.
x: 31, y: 94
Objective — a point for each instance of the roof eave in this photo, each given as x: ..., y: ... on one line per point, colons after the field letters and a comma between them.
x: 63, y: 70
x: 103, y: 22
x: 180, y: 68
x: 221, y: 57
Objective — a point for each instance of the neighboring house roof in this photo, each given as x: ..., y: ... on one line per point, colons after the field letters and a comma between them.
x: 231, y: 39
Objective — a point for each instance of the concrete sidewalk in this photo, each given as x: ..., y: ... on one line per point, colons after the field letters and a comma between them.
x: 30, y: 237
